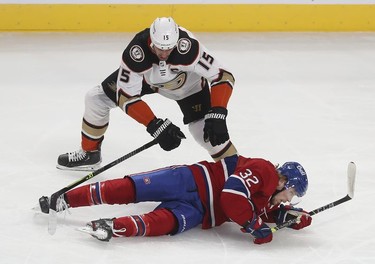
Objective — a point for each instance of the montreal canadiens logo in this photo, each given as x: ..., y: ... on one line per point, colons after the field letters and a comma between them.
x: 183, y: 45
x: 147, y: 180
x: 137, y: 54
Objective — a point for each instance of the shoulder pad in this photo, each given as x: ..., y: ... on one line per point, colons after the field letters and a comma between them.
x: 187, y: 50
x: 137, y: 55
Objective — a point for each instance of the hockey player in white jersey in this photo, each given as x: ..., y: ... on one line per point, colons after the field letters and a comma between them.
x: 165, y: 59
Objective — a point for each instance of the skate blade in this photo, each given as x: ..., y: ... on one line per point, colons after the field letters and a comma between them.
x: 79, y: 168
x: 86, y: 230
x: 98, y: 234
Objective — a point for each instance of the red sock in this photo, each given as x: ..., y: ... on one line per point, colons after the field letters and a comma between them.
x: 117, y: 191
x: 156, y: 223
x: 89, y: 144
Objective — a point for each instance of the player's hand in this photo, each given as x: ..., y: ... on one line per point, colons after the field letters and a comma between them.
x: 167, y: 134
x: 287, y: 212
x: 215, y: 126
x: 258, y: 229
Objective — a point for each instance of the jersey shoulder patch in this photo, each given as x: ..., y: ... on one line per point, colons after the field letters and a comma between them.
x: 187, y: 50
x: 137, y: 55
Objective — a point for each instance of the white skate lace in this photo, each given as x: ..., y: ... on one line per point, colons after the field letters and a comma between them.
x: 116, y: 232
x: 77, y: 155
x: 62, y: 206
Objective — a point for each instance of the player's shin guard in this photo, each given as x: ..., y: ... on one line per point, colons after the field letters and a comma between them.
x: 228, y: 150
x: 89, y: 144
x: 157, y: 223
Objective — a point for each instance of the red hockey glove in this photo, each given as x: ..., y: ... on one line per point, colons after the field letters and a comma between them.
x: 259, y: 230
x: 287, y: 212
x: 167, y: 134
x: 215, y: 126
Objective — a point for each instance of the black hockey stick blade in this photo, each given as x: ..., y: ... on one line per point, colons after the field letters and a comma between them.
x: 351, y: 173
x: 52, y: 222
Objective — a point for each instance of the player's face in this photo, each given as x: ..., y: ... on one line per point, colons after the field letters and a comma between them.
x: 162, y: 54
x: 283, y: 196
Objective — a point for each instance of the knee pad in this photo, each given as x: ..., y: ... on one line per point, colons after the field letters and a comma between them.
x: 97, y: 106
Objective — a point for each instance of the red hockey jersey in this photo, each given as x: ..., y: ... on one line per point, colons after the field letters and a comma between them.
x: 234, y: 189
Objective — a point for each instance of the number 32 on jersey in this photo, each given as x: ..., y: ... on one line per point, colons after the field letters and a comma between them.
x: 249, y: 178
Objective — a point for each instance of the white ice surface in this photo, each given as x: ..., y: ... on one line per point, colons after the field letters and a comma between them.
x: 308, y: 97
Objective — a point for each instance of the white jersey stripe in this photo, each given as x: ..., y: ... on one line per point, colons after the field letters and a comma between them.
x: 235, y: 192
x: 244, y: 184
x: 225, y: 169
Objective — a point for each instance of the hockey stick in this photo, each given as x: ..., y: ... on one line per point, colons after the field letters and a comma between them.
x: 349, y: 196
x: 52, y: 220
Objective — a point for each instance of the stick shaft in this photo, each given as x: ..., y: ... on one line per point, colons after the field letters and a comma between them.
x: 351, y: 173
x: 55, y: 195
x: 313, y: 212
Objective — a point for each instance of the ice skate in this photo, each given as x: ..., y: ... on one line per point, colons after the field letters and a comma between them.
x: 101, y: 229
x: 80, y: 160
x: 44, y: 204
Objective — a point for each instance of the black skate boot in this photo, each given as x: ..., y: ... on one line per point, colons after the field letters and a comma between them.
x: 101, y: 229
x: 80, y: 160
x: 44, y: 204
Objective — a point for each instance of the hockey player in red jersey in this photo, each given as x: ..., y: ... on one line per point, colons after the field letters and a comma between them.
x: 168, y: 60
x: 248, y: 191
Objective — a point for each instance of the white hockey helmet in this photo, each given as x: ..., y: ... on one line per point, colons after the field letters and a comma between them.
x: 164, y: 33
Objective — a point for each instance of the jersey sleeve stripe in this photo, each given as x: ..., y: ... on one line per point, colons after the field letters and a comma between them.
x: 243, y: 186
x: 225, y: 169
x: 235, y: 192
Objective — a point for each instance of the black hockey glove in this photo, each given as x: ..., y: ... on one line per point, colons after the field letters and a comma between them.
x: 167, y: 134
x: 287, y: 212
x: 215, y: 127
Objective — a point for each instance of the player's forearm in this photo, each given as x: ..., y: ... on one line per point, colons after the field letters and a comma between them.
x: 221, y: 89
x: 140, y: 111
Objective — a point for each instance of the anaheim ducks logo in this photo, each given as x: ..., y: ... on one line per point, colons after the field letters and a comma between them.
x: 174, y: 84
x: 137, y: 54
x: 183, y: 45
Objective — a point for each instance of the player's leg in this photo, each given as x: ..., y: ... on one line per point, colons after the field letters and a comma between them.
x: 156, y: 223
x: 171, y: 183
x: 115, y: 191
x: 194, y: 108
x: 180, y: 210
x: 218, y: 152
x: 165, y: 184
x: 169, y: 218
x: 98, y: 103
